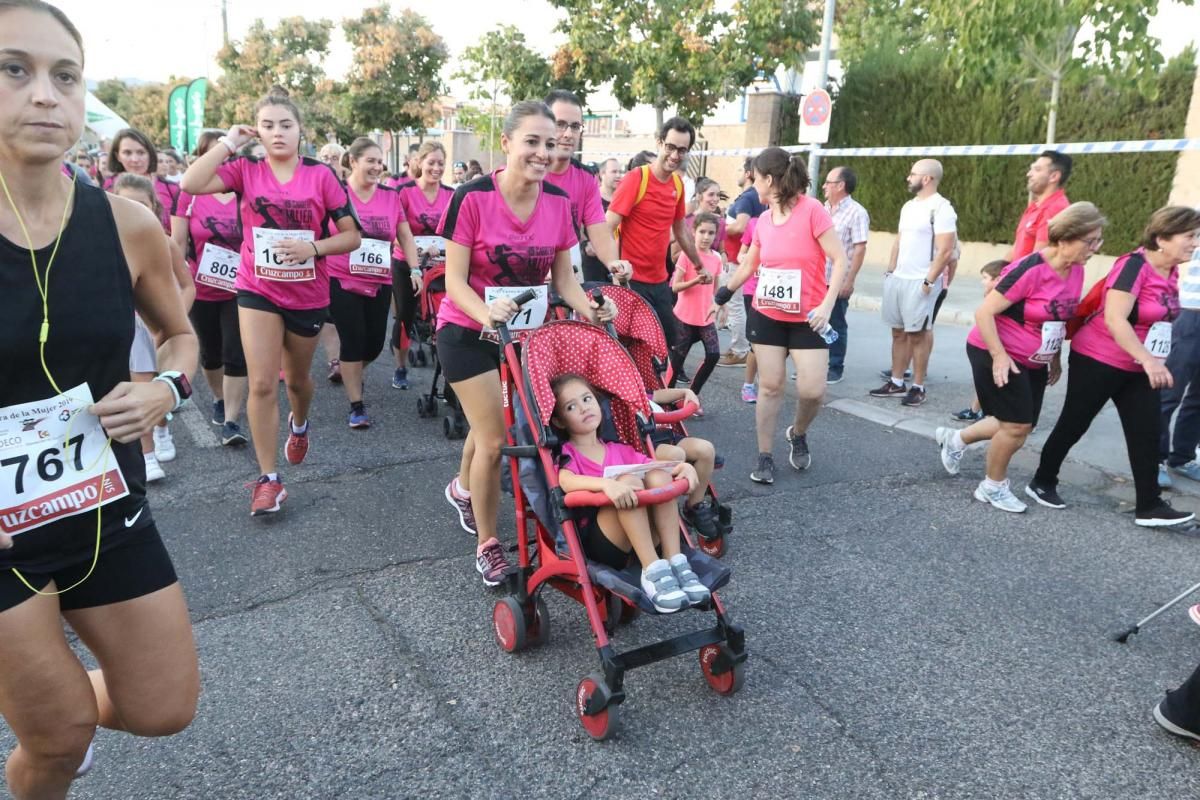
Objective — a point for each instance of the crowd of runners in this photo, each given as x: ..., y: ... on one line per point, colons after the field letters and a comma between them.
x: 246, y: 254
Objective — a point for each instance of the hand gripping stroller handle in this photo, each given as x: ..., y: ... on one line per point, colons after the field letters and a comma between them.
x: 598, y: 298
x: 678, y: 415
x: 645, y: 497
x: 521, y: 299
x: 524, y: 297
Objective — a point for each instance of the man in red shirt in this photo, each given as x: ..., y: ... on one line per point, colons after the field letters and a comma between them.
x: 646, y: 224
x: 1046, y: 178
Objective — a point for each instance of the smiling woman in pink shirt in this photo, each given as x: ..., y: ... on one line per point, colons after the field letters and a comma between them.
x: 286, y: 204
x: 504, y: 231
x: 1119, y: 355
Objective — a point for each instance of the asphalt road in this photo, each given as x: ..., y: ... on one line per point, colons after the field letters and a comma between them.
x: 905, y: 641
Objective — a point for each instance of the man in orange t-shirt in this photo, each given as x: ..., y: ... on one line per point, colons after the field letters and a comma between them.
x: 1045, y: 180
x: 646, y: 225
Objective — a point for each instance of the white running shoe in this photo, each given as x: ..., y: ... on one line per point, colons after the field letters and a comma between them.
x: 951, y: 458
x: 154, y: 470
x: 164, y: 445
x: 1001, y: 498
x: 89, y: 758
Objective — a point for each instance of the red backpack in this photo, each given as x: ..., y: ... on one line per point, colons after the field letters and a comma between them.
x: 1088, y: 307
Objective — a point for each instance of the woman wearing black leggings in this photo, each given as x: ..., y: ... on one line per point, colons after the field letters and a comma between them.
x: 694, y: 285
x: 1119, y: 355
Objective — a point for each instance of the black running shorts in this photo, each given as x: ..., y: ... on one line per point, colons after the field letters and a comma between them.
x: 463, y: 355
x: 137, y: 566
x: 761, y: 329
x: 1020, y: 401
x: 305, y: 322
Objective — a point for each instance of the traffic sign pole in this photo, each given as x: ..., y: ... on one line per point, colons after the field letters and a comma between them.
x: 814, y: 157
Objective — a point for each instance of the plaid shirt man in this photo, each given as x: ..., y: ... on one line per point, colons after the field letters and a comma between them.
x: 852, y: 224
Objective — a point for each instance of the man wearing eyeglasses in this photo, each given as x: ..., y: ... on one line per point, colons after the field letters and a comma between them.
x: 923, y: 247
x: 568, y: 173
x: 647, y: 217
x: 852, y: 224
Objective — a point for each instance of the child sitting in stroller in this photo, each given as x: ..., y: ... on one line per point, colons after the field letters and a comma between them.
x: 609, y: 534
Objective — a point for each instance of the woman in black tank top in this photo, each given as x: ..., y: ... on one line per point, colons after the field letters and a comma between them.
x: 77, y: 540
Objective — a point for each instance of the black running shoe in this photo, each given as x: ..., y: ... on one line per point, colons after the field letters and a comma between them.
x: 1044, y: 495
x: 1162, y: 516
x: 798, y: 454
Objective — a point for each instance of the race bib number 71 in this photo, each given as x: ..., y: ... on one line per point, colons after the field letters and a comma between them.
x: 54, y: 462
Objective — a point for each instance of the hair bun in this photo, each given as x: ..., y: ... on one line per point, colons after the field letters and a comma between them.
x: 278, y: 92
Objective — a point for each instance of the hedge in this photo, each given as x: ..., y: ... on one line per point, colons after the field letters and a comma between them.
x: 890, y: 99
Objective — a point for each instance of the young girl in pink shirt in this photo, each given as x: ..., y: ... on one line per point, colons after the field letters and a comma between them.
x: 285, y: 202
x: 614, y: 532
x: 694, y: 286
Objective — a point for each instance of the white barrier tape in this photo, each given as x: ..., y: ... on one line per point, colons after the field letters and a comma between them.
x: 1129, y: 146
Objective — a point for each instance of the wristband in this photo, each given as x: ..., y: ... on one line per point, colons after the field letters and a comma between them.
x: 181, y: 388
x: 316, y: 252
x: 228, y: 145
x: 927, y: 282
x: 723, y: 295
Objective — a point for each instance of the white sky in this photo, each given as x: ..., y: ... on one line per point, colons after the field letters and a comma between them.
x: 184, y: 36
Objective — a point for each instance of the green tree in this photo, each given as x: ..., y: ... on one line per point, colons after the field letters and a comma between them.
x: 288, y: 55
x: 394, y: 82
x: 685, y: 54
x: 1050, y: 39
x: 484, y: 123
x: 142, y: 105
x: 503, y: 65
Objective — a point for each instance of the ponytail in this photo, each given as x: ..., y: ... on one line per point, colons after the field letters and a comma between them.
x: 788, y: 173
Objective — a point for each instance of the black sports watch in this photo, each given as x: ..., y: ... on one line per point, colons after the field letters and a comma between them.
x: 180, y: 386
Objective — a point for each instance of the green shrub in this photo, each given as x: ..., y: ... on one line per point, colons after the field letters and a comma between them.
x: 887, y: 99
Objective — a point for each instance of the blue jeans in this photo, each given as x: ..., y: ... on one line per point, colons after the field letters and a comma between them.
x: 837, y: 320
x: 1184, y: 364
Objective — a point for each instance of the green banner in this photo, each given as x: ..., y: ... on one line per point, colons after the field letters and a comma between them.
x: 197, y: 92
x: 177, y: 117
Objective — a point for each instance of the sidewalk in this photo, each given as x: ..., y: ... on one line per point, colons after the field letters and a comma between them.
x: 1098, y: 462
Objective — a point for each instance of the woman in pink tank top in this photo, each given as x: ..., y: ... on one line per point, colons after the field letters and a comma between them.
x: 285, y: 203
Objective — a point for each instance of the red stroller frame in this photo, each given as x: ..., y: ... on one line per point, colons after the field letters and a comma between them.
x: 520, y: 619
x: 641, y: 334
x: 433, y: 292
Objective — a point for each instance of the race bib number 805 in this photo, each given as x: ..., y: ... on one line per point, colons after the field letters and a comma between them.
x: 53, y: 462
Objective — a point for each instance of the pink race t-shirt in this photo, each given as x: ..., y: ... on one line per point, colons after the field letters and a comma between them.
x: 504, y: 250
x: 211, y: 222
x: 693, y: 303
x: 424, y: 216
x: 1155, y: 299
x: 792, y: 245
x: 1038, y: 295
x: 580, y: 185
x: 747, y: 240
x: 308, y: 202
x: 616, y: 454
x: 379, y: 218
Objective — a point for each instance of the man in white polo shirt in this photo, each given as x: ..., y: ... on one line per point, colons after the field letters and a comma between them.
x: 928, y: 230
x: 1178, y: 450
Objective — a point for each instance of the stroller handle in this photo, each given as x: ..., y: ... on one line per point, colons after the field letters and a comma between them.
x: 521, y: 299
x: 645, y: 497
x: 598, y: 298
x: 678, y: 415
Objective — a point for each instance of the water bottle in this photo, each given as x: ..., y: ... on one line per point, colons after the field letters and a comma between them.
x: 827, y: 333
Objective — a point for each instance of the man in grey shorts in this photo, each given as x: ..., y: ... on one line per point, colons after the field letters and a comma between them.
x: 913, y: 281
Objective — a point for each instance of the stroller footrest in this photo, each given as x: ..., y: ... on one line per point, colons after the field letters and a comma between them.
x: 669, y: 648
x: 628, y: 582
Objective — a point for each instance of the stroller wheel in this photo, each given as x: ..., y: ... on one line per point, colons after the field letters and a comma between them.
x: 422, y: 359
x: 593, y: 691
x: 729, y: 681
x: 460, y: 427
x: 539, y: 631
x: 508, y: 623
x: 412, y: 358
x: 448, y: 428
x: 711, y: 547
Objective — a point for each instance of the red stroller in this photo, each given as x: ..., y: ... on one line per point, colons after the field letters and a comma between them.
x: 433, y: 292
x: 556, y: 558
x: 639, y: 331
